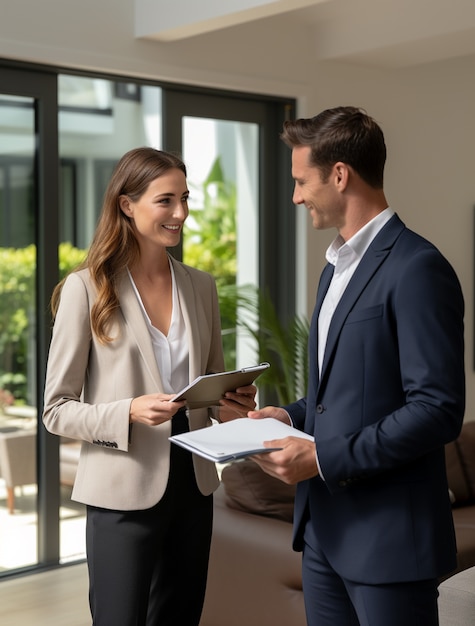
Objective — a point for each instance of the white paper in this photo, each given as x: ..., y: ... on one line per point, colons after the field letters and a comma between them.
x: 236, y: 439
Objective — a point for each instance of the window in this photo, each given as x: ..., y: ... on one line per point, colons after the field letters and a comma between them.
x: 62, y: 134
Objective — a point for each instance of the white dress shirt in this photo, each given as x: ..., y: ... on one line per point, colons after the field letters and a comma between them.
x: 171, y: 351
x: 345, y: 256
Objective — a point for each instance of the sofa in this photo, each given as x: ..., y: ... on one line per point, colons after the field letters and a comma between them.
x: 457, y: 599
x: 254, y: 575
x: 460, y: 461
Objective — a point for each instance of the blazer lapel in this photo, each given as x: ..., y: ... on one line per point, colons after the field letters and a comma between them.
x: 137, y: 327
x: 188, y: 303
x: 369, y: 264
x: 313, y: 373
x: 323, y: 285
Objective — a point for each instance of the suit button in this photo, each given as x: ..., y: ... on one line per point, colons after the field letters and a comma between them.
x: 320, y: 408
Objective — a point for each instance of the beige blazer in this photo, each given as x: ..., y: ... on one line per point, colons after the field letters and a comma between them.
x: 89, y: 388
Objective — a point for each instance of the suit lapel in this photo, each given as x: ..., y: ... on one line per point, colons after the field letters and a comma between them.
x: 137, y: 327
x: 188, y: 302
x: 369, y: 264
x: 323, y: 285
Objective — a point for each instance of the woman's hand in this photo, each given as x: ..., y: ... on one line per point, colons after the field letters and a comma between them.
x: 237, y: 403
x: 154, y: 409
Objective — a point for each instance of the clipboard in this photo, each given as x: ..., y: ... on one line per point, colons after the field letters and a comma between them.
x: 236, y: 439
x: 207, y: 390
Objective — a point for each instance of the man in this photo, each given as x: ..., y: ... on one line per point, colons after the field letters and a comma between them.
x: 386, y: 392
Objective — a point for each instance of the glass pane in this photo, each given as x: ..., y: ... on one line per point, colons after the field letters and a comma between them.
x: 18, y: 419
x: 99, y: 120
x: 221, y: 235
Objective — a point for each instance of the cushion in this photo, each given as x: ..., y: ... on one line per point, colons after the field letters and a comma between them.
x: 250, y: 489
x: 460, y: 462
x: 455, y: 475
x: 466, y: 446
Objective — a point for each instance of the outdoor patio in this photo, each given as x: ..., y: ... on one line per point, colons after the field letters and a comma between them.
x: 18, y: 528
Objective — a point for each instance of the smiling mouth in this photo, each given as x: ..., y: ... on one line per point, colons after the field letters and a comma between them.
x: 173, y: 227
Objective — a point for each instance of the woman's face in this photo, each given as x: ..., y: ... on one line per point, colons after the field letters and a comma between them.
x: 159, y: 214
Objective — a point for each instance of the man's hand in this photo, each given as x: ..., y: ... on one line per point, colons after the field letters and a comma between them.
x: 296, y: 461
x: 271, y: 411
x: 237, y: 403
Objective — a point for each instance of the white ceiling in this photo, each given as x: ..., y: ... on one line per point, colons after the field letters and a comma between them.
x: 380, y: 33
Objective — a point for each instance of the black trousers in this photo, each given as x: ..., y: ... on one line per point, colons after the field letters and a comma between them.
x: 149, y: 568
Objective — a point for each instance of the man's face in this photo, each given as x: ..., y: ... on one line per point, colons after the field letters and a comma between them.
x: 322, y: 199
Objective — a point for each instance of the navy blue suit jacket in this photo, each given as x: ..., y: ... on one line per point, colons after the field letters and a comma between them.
x: 391, y: 394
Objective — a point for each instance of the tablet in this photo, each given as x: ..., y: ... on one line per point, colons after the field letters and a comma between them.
x: 207, y: 390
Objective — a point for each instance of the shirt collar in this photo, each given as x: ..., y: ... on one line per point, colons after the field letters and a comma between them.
x: 359, y: 243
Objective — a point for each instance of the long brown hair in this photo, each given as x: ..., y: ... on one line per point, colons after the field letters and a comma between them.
x: 114, y: 246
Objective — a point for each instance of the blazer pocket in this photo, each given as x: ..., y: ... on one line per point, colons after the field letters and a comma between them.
x: 362, y: 315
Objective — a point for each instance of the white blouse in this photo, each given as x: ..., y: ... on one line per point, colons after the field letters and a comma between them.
x: 171, y: 351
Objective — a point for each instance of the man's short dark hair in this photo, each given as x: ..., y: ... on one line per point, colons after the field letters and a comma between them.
x: 345, y: 134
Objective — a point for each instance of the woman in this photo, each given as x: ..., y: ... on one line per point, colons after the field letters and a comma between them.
x: 133, y: 326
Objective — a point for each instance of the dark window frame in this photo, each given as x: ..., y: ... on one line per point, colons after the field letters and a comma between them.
x: 276, y: 244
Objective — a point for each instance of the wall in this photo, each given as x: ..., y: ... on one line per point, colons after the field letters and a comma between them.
x: 427, y: 117
x: 425, y: 111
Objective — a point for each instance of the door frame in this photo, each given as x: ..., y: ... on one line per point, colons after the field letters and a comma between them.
x: 277, y: 219
x: 41, y: 86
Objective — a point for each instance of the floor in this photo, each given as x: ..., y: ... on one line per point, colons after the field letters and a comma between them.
x: 54, y: 598
x: 18, y: 531
x: 51, y: 598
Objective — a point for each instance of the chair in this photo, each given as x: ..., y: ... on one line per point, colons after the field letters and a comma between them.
x: 17, y: 460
